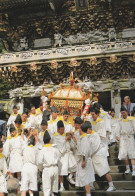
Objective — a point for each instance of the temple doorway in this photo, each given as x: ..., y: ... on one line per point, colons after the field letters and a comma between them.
x: 105, y: 100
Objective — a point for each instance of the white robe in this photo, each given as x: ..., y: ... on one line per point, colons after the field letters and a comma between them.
x: 84, y: 175
x: 3, y: 172
x: 99, y: 127
x: 68, y: 127
x: 26, y: 124
x: 126, y: 130
x: 12, y: 118
x: 48, y: 162
x: 107, y: 120
x: 33, y: 121
x: 67, y: 162
x: 99, y: 159
x: 30, y: 169
x: 13, y: 148
x: 114, y: 122
x: 52, y: 126
x: 76, y: 144
x: 41, y: 135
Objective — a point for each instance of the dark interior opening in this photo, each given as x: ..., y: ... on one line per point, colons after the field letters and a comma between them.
x: 28, y: 101
x: 105, y: 100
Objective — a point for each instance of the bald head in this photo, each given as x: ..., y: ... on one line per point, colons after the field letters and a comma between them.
x: 12, y: 186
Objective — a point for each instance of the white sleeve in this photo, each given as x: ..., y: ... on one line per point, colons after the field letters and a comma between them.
x: 6, y: 148
x: 5, y: 167
x: 40, y: 160
x: 9, y: 120
x: 117, y: 130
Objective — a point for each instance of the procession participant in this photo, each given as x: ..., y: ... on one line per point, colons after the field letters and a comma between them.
x: 77, y: 124
x: 85, y: 171
x: 18, y: 124
x: 125, y: 134
x: 67, y: 124
x: 39, y: 114
x: 32, y: 111
x: 52, y: 123
x: 3, y: 172
x: 99, y: 160
x: 114, y: 121
x: 13, y: 116
x: 75, y: 141
x: 104, y: 115
x: 48, y: 163
x: 25, y: 121
x: 67, y: 162
x: 98, y: 124
x: 32, y: 117
x: 39, y: 111
x: 44, y: 127
x: 30, y: 169
x: 46, y: 114
x: 13, y: 149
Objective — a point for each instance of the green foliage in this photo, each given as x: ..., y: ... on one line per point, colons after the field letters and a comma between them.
x: 5, y: 86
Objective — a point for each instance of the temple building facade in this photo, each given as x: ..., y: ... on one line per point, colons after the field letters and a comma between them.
x: 42, y: 42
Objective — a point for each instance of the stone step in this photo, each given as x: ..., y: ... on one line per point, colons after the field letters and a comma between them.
x: 117, y: 168
x: 97, y: 193
x: 113, y: 154
x: 115, y: 161
x: 114, y: 147
x: 118, y: 177
x: 103, y: 185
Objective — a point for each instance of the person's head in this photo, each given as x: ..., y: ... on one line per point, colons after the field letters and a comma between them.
x: 24, y: 115
x: 31, y: 141
x: 54, y: 112
x: 46, y: 114
x: 78, y: 122
x: 32, y: 109
x: 97, y: 105
x: 41, y: 106
x: 44, y: 124
x: 65, y: 115
x: 60, y: 127
x: 18, y: 121
x: 127, y: 99
x: 12, y: 186
x: 13, y: 131
x: 46, y: 138
x: 15, y: 110
x: 89, y: 127
x: 124, y: 112
x: 112, y: 112
x: 1, y: 146
x: 83, y: 129
x: 95, y: 113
